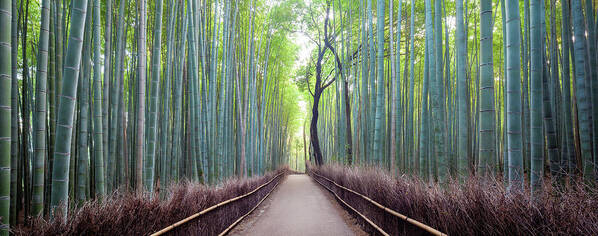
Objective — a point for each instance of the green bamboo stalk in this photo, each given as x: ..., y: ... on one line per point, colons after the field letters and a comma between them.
x: 177, y: 103
x: 592, y: 74
x: 555, y: 137
x: 395, y: 85
x: 410, y: 130
x: 363, y: 98
x: 461, y: 58
x: 204, y: 104
x: 118, y: 158
x: 433, y: 90
x: 450, y: 120
x: 568, y: 151
x: 105, y: 128
x: 378, y: 136
x: 51, y: 97
x: 223, y: 93
x: 213, y: 95
x: 243, y: 104
x: 505, y: 122
x: 5, y: 114
x: 372, y: 86
x: 115, y: 100
x: 62, y: 153
x: 193, y: 75
x: 261, y: 129
x: 581, y: 92
x: 525, y: 46
x: 26, y: 108
x: 400, y: 97
x: 424, y: 139
x: 438, y: 104
x: 487, y: 165
x: 83, y: 136
x: 98, y: 116
x: 59, y: 25
x: 141, y: 67
x: 40, y: 111
x: 165, y: 146
x: 14, y: 146
x: 549, y: 127
x: 201, y: 159
x: 537, y: 137
x: 153, y: 112
x: 513, y: 107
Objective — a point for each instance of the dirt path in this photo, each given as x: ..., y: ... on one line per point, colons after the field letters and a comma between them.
x: 298, y: 207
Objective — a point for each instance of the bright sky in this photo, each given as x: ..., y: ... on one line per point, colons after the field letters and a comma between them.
x: 305, y: 47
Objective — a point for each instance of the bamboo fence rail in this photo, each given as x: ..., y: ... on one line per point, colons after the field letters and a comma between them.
x: 390, y: 211
x: 380, y: 230
x: 183, y: 221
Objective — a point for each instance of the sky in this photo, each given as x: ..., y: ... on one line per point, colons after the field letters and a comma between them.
x: 305, y: 47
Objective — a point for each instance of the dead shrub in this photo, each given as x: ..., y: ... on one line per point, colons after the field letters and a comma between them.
x: 126, y: 213
x: 476, y: 207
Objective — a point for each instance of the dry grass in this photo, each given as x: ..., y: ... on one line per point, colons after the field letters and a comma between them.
x: 131, y: 214
x: 477, y: 207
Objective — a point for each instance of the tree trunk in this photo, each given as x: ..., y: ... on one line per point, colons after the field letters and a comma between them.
x: 313, y: 130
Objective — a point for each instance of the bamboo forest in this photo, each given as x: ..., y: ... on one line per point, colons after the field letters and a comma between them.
x: 441, y: 117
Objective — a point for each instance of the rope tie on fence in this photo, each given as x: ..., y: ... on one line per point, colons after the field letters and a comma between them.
x: 390, y: 211
x: 183, y: 221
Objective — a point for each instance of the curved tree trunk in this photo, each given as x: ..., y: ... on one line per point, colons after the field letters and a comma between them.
x: 313, y: 131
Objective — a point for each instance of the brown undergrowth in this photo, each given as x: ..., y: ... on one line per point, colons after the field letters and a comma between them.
x: 476, y: 207
x: 132, y: 214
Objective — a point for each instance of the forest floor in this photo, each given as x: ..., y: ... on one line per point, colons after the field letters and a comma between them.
x: 299, y: 206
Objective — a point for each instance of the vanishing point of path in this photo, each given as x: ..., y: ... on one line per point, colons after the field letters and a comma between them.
x: 299, y: 207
